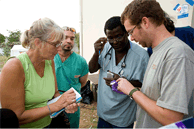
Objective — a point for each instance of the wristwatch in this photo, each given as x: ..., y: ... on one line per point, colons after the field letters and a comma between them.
x: 132, y: 91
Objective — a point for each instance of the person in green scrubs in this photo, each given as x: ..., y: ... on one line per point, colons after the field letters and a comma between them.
x: 71, y: 70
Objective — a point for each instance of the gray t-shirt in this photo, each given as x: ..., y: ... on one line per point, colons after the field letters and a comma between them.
x: 119, y: 109
x: 168, y: 80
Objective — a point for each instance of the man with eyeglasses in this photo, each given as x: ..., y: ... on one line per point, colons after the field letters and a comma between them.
x: 71, y: 70
x: 122, y: 58
x: 169, y: 78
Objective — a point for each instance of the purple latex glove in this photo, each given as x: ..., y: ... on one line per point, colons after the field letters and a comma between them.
x: 114, y: 86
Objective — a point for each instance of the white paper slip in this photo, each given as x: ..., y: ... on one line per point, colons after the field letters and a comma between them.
x: 55, y: 114
x: 78, y: 96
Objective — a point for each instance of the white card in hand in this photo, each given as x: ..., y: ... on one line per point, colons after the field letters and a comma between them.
x: 55, y: 114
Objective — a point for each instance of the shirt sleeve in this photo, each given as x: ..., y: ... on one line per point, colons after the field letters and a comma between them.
x: 85, y: 68
x: 176, y: 86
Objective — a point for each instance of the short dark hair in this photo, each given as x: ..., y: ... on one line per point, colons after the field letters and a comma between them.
x: 112, y: 23
x: 169, y: 24
x: 138, y: 9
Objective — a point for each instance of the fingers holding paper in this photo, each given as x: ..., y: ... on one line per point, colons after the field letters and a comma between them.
x: 69, y: 96
x: 124, y: 86
x: 72, y: 108
x: 66, y: 99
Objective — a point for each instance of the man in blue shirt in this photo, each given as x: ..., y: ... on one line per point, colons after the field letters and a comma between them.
x: 123, y: 58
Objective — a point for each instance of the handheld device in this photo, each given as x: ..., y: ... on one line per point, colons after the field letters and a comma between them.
x: 110, y: 75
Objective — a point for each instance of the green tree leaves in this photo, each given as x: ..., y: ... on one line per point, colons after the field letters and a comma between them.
x: 77, y: 40
x: 13, y: 39
x: 2, y: 38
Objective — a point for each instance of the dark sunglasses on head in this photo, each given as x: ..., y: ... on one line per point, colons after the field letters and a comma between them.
x: 69, y: 29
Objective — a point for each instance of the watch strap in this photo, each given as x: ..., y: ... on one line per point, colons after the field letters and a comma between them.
x: 132, y: 91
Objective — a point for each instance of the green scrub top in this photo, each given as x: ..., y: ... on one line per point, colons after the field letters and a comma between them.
x: 69, y: 72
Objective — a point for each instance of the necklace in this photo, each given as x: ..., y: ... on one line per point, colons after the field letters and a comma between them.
x: 65, y: 57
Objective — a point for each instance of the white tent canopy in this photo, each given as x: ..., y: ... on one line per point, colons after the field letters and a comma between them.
x: 17, y: 49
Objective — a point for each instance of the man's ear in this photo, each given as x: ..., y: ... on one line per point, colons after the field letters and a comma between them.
x: 145, y: 22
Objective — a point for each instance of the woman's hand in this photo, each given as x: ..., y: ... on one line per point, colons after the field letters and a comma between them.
x: 72, y: 108
x: 66, y: 99
x: 124, y: 86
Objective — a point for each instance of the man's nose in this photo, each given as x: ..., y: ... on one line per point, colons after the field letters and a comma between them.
x: 132, y: 39
x: 114, y: 41
x: 68, y: 40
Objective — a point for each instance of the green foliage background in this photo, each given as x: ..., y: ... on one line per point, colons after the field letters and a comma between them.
x: 77, y: 40
x: 13, y: 39
x: 2, y: 38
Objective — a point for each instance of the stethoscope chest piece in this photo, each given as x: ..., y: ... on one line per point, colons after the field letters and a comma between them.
x: 123, y: 65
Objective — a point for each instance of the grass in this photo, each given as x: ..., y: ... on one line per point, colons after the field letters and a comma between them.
x: 88, y: 115
x: 3, y: 59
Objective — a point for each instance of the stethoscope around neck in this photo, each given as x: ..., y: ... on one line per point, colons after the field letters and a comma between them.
x: 123, y: 65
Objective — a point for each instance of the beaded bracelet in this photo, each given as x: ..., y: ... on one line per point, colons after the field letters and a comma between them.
x: 49, y: 109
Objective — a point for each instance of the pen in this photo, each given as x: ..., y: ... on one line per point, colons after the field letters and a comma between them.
x: 61, y: 91
x: 100, y: 49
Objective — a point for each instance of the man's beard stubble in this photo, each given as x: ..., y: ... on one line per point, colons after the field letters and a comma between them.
x: 67, y: 49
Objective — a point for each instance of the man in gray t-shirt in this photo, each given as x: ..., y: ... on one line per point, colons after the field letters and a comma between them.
x: 169, y: 77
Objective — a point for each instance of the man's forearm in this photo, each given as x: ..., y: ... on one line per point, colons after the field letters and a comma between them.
x: 162, y: 115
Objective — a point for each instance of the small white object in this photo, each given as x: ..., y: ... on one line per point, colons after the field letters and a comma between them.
x: 55, y: 114
x: 112, y: 83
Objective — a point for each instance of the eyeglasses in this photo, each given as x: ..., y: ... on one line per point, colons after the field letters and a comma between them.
x: 118, y: 39
x: 54, y: 44
x: 131, y: 32
x: 69, y: 29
